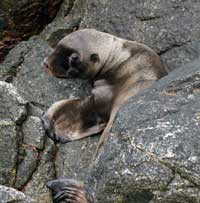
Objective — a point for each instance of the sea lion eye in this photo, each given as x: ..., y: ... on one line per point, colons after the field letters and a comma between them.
x: 94, y: 57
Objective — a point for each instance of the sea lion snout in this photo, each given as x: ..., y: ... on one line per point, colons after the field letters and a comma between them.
x: 64, y: 63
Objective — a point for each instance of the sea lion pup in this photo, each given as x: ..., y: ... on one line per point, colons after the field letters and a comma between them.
x: 68, y: 190
x: 125, y: 67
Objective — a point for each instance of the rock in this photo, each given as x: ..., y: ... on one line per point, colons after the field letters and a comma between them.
x: 8, y: 69
x: 26, y: 157
x: 36, y: 186
x: 23, y: 19
x: 33, y: 144
x: 3, y: 22
x: 153, y: 154
x: 65, y: 8
x: 72, y: 11
x: 73, y: 159
x: 29, y: 17
x: 11, y: 195
x: 12, y: 113
x: 33, y: 132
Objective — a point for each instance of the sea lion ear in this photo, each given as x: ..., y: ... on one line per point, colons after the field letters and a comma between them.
x: 94, y: 58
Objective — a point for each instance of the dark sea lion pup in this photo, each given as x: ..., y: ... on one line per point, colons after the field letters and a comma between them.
x: 119, y: 69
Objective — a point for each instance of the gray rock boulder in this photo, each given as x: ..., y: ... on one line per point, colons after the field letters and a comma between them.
x: 11, y: 195
x: 12, y: 114
x: 153, y: 153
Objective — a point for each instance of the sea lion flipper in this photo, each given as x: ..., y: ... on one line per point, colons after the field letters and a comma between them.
x: 67, y: 190
x: 63, y: 137
x: 94, y: 130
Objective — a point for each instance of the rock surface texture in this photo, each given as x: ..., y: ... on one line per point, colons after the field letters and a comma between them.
x: 11, y: 195
x: 153, y: 153
x: 23, y: 18
x: 27, y: 17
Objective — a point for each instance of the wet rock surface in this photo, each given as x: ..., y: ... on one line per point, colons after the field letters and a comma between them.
x: 153, y: 151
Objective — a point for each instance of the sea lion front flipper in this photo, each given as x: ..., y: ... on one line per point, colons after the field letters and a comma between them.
x: 94, y: 130
x: 65, y: 136
x: 73, y: 119
x: 67, y: 190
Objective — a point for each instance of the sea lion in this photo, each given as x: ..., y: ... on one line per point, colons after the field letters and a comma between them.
x: 118, y: 69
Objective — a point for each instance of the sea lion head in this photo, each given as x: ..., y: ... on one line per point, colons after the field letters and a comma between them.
x: 65, y: 63
x: 80, y: 54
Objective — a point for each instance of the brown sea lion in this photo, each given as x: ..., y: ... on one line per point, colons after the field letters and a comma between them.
x: 118, y: 68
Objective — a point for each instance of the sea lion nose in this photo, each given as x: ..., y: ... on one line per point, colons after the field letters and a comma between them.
x: 45, y: 63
